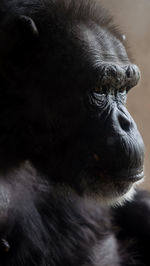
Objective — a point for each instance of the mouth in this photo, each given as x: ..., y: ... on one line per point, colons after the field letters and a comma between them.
x: 127, y: 177
x: 117, y: 173
x: 108, y: 185
x: 132, y: 175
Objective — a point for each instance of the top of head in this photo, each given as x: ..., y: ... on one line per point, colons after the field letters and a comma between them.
x: 84, y: 22
x: 79, y: 30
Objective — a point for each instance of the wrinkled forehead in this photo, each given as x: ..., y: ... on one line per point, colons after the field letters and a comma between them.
x: 101, y: 45
x: 107, y: 54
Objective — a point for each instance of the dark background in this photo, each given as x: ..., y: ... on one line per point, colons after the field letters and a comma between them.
x: 133, y: 18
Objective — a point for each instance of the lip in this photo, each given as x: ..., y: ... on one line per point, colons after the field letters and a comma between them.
x: 131, y: 176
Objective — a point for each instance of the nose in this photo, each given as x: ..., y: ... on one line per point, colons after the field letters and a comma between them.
x: 124, y: 121
x: 126, y: 147
x: 121, y: 122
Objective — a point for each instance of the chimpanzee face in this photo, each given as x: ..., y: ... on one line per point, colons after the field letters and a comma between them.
x: 73, y: 83
x: 97, y: 148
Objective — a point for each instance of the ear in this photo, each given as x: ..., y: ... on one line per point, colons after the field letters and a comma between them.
x: 18, y: 36
x: 27, y: 26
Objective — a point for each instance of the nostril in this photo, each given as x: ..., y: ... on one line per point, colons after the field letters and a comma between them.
x: 124, y: 122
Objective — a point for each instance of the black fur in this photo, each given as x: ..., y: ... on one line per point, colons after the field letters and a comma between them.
x: 68, y: 146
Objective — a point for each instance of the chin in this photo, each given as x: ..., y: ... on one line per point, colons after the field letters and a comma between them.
x: 108, y: 191
x: 121, y: 198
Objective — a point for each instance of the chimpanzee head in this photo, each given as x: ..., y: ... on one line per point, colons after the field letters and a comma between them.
x: 65, y: 74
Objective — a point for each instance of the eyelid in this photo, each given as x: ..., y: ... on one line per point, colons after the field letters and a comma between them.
x: 106, y: 89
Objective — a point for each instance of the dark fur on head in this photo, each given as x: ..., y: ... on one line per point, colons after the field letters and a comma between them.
x: 60, y: 13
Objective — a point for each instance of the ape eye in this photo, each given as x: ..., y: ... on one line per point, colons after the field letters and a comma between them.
x: 101, y: 89
x: 98, y: 89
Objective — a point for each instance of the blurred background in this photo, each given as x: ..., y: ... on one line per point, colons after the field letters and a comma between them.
x: 133, y: 18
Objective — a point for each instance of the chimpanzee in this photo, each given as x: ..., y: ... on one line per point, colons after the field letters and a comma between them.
x: 70, y: 152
